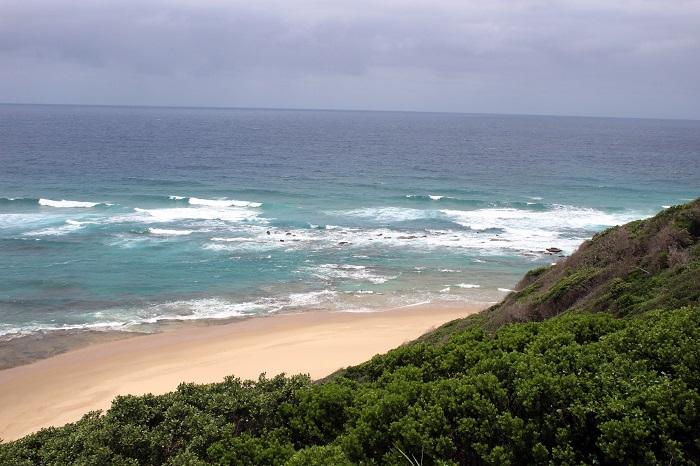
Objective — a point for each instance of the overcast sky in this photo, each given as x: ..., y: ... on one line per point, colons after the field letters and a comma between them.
x: 579, y: 57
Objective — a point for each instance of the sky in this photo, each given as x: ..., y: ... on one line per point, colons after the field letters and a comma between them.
x: 637, y: 58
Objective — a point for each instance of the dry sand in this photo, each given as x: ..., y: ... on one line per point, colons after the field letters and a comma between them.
x: 61, y: 389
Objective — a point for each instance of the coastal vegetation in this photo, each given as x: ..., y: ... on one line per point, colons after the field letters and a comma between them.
x: 594, y: 360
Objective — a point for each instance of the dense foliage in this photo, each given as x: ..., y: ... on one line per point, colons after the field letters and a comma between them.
x: 580, y: 388
x: 619, y: 387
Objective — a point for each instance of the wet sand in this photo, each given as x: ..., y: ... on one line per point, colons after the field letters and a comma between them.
x: 62, y: 388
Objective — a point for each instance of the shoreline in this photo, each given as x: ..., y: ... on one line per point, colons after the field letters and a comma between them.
x: 61, y: 388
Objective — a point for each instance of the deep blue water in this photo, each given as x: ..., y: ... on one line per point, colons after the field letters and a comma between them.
x: 111, y: 217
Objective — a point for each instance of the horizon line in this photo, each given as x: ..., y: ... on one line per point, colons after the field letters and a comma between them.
x: 359, y: 110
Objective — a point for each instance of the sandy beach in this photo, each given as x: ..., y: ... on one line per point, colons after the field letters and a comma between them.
x: 62, y: 388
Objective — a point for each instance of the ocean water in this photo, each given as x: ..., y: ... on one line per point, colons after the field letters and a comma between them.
x: 120, y: 218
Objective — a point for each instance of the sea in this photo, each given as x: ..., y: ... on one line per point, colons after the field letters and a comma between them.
x: 126, y: 218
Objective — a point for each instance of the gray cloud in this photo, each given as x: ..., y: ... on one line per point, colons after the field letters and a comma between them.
x: 633, y: 57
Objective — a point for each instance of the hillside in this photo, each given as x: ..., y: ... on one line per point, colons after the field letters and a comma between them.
x: 592, y: 361
x: 640, y: 266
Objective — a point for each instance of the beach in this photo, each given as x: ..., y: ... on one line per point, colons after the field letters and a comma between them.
x: 60, y: 389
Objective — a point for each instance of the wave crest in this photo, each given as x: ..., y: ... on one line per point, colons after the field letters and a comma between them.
x: 68, y: 204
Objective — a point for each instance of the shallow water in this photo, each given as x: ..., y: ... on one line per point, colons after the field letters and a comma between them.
x: 116, y: 218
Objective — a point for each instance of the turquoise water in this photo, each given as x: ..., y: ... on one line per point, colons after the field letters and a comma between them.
x: 116, y: 218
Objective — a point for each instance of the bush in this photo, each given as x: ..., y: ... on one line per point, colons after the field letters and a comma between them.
x: 580, y: 388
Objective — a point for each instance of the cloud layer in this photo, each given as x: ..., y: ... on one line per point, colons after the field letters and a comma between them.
x: 632, y: 57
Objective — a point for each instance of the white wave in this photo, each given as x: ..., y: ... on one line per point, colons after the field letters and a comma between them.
x: 8, y: 332
x: 467, y: 285
x: 433, y: 197
x: 522, y: 231
x: 445, y: 290
x: 386, y: 214
x: 67, y: 204
x: 564, y: 226
x: 233, y: 240
x: 558, y: 218
x: 449, y: 271
x: 222, y: 203
x: 207, y: 308
x: 192, y: 213
x: 665, y: 206
x: 69, y: 227
x: 310, y: 298
x: 176, y: 198
x: 505, y: 290
x: 166, y: 232
x: 348, y: 272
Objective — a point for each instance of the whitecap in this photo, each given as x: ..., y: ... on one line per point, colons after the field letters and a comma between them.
x: 67, y: 204
x: 506, y: 290
x: 192, y: 213
x: 69, y: 227
x: 207, y: 308
x: 166, y: 232
x: 222, y: 202
x: 348, y: 272
x: 435, y: 197
x: 386, y: 214
x: 467, y: 285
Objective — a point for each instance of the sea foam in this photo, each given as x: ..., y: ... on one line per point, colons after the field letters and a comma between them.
x: 67, y: 204
x: 192, y: 213
x: 166, y: 232
x: 196, y: 201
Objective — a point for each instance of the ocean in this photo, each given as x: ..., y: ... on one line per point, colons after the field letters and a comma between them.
x: 125, y: 218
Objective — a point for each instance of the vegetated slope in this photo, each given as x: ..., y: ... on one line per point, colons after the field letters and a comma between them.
x: 579, y: 388
x: 643, y: 265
